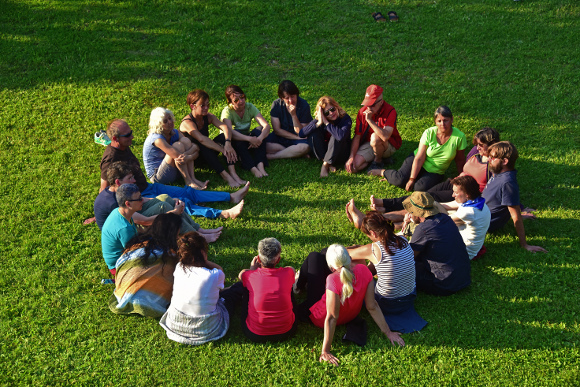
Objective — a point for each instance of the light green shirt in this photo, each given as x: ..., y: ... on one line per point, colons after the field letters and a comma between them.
x: 241, y: 124
x: 440, y: 156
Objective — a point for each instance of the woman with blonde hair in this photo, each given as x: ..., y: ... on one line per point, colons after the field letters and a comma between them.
x: 345, y: 286
x: 329, y: 134
x: 167, y: 152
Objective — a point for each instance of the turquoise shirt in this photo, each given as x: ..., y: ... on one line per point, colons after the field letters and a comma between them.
x: 114, y: 237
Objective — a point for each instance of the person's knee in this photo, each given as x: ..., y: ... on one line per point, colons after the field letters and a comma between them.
x: 376, y: 142
x: 163, y: 207
x: 178, y: 146
x: 302, y: 148
x: 186, y: 143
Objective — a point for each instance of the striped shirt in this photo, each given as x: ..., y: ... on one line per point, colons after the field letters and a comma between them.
x: 396, y: 272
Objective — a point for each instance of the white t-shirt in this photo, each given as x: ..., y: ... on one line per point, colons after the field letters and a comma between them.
x: 196, y: 290
x: 476, y: 223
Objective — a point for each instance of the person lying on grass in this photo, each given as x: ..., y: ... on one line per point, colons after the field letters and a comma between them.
x: 167, y: 153
x: 250, y: 144
x: 200, y: 310
x: 195, y: 126
x: 144, y: 273
x: 120, y: 173
x: 121, y: 137
x: 336, y: 292
x: 267, y: 305
x: 328, y: 134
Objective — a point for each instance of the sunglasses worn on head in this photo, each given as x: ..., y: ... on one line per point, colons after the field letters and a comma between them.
x: 331, y: 110
x: 127, y: 135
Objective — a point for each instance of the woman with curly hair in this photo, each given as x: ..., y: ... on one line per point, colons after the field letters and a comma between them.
x: 167, y: 152
x: 329, y: 134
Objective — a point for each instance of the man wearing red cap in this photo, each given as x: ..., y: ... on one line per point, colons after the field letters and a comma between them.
x: 376, y: 135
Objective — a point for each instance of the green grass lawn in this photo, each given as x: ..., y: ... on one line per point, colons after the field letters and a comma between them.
x: 68, y: 67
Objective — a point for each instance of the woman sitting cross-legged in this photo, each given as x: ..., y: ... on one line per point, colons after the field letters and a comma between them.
x: 250, y: 145
x: 336, y: 292
x: 199, y: 312
x: 144, y: 273
x: 393, y: 260
x: 329, y: 134
x: 168, y: 153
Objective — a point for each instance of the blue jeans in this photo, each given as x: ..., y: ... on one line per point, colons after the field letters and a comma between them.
x: 190, y: 197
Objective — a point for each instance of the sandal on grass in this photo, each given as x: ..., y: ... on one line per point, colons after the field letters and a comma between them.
x: 378, y: 17
x: 393, y: 16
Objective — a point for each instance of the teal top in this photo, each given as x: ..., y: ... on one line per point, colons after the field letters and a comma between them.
x: 241, y: 124
x: 440, y: 156
x: 114, y: 237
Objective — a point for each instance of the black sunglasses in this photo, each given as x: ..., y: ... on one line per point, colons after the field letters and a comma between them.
x: 331, y: 110
x: 139, y: 199
x: 127, y: 135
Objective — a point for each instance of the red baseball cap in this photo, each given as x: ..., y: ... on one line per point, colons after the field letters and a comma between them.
x: 373, y: 92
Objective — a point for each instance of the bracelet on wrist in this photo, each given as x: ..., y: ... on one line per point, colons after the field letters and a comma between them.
x: 228, y: 140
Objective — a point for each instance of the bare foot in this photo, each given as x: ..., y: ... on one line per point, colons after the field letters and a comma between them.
x: 354, y: 214
x: 198, y: 185
x: 210, y: 230
x: 257, y: 173
x: 376, y: 204
x: 209, y: 238
x: 237, y: 196
x: 262, y: 170
x: 233, y: 212
x: 238, y: 179
x: 376, y: 172
x: 324, y: 171
x: 332, y: 168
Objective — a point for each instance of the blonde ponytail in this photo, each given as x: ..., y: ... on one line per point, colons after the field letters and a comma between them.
x: 337, y: 257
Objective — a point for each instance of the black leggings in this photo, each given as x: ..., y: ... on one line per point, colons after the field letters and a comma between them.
x: 442, y: 192
x: 313, y: 273
x: 334, y: 152
x: 423, y: 182
x: 251, y: 157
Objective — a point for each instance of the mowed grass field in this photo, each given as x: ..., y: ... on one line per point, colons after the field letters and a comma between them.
x: 69, y: 67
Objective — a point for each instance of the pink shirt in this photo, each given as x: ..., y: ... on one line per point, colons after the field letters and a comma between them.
x: 352, y: 305
x: 270, y: 305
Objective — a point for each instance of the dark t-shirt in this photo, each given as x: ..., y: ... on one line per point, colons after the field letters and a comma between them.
x: 501, y: 191
x: 279, y: 111
x: 105, y: 203
x: 113, y: 154
x: 442, y: 252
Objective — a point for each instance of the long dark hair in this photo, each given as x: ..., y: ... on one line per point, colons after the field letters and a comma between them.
x: 162, y: 235
x: 385, y: 229
x: 192, y: 250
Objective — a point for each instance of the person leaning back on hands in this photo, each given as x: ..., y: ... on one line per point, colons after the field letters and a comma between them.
x: 376, y: 135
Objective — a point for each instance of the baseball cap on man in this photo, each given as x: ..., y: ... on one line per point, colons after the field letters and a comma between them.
x: 373, y: 92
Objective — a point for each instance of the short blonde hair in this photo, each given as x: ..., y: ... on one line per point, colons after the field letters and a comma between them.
x: 324, y: 101
x: 156, y: 120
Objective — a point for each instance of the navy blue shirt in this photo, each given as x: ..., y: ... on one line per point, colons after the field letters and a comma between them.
x: 501, y: 191
x: 280, y: 111
x: 105, y: 203
x: 338, y: 129
x: 442, y: 252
